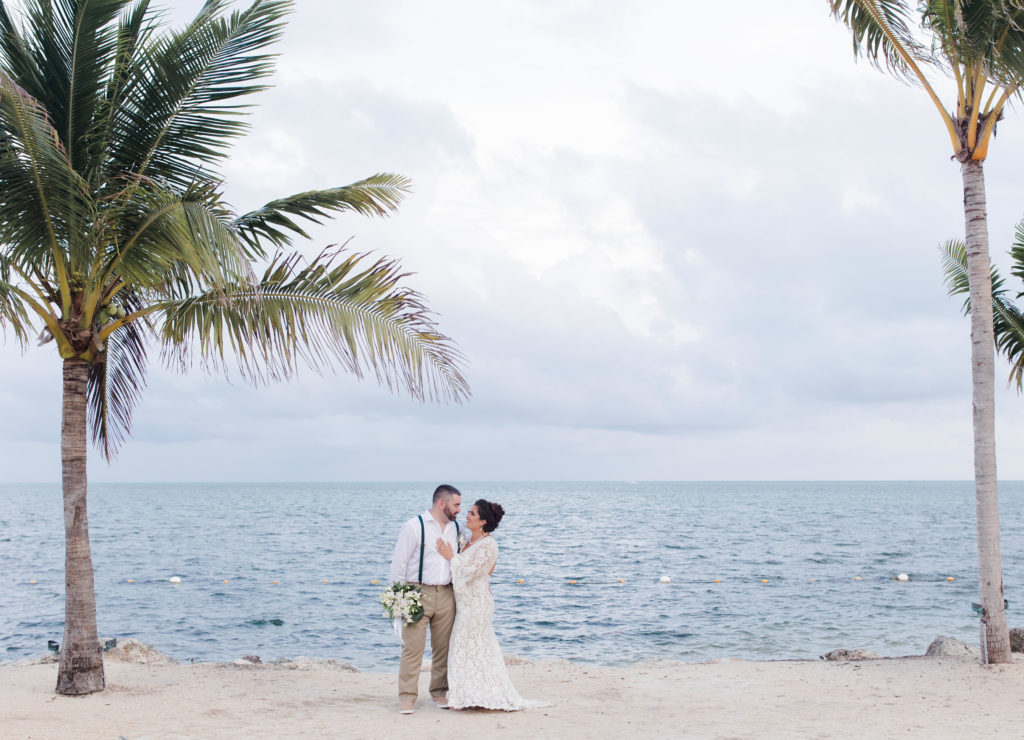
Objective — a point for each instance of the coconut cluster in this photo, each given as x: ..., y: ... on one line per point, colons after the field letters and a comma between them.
x: 110, y: 312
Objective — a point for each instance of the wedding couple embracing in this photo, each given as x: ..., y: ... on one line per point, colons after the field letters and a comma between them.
x: 452, y: 567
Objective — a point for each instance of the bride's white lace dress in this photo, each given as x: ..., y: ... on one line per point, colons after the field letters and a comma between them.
x: 476, y: 669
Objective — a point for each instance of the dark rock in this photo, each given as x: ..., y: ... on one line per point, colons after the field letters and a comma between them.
x: 252, y: 658
x: 1017, y: 639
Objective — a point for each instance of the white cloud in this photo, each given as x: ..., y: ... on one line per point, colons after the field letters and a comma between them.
x: 856, y: 200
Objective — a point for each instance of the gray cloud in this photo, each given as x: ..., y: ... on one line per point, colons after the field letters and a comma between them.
x: 652, y: 277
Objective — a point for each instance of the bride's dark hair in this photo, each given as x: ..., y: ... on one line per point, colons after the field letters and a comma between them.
x: 490, y: 512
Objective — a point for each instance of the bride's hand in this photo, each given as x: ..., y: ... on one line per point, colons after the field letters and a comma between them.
x: 445, y: 549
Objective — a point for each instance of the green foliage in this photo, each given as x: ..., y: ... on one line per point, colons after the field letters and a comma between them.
x: 879, y: 29
x: 13, y: 314
x: 334, y: 311
x: 1007, y: 318
x: 374, y: 196
x: 114, y: 234
x: 962, y: 33
x: 978, y: 43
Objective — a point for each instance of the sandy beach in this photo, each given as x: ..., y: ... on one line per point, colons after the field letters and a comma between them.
x: 891, y: 697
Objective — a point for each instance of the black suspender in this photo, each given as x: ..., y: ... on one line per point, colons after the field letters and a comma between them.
x: 423, y: 542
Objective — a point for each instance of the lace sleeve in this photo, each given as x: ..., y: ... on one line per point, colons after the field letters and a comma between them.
x: 474, y: 563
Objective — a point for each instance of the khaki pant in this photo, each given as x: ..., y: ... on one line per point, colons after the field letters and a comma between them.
x: 439, y: 615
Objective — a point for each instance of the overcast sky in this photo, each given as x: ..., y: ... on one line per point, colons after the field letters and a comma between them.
x: 674, y: 243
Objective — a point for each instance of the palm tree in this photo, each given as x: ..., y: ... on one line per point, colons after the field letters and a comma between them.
x: 979, y: 44
x: 1008, y: 318
x: 114, y: 236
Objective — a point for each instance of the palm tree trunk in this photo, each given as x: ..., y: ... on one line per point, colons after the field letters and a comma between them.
x: 81, y: 661
x: 996, y: 638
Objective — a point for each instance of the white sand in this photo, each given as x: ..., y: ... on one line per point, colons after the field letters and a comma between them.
x: 899, y: 697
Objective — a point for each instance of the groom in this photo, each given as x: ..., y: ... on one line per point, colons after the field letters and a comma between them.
x: 416, y: 560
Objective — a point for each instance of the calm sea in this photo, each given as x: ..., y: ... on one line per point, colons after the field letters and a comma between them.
x: 283, y: 570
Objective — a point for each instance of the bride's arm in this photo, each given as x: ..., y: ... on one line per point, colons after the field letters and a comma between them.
x: 471, y: 564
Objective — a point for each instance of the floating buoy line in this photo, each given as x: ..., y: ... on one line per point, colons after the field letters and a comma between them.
x: 580, y: 581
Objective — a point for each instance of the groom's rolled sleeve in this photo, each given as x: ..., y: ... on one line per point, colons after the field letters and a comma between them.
x: 408, y: 541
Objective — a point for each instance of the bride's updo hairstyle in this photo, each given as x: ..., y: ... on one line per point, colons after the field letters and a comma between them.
x: 491, y: 513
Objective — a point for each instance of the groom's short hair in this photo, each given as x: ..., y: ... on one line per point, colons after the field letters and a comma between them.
x: 445, y: 491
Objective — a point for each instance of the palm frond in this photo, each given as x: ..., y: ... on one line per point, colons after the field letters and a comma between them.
x: 979, y: 34
x: 15, y: 55
x: 1017, y: 254
x: 172, y: 242
x: 882, y: 33
x: 181, y: 116
x: 375, y: 196
x: 42, y: 194
x: 14, y: 317
x: 64, y: 47
x: 1007, y: 319
x: 116, y: 381
x: 333, y: 311
x: 1008, y: 325
x: 74, y: 45
x: 133, y: 32
x: 954, y: 267
x: 960, y: 30
x: 1009, y: 67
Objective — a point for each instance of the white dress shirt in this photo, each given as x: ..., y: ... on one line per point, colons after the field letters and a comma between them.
x: 405, y: 563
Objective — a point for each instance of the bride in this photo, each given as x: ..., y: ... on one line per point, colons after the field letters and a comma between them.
x: 476, y: 669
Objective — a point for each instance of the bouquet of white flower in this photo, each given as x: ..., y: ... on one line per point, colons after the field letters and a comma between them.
x: 402, y: 602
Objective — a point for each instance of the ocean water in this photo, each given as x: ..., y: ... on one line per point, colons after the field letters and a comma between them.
x: 803, y: 568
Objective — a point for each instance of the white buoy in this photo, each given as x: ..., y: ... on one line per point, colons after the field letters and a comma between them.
x: 175, y: 579
x: 902, y: 577
x: 666, y: 579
